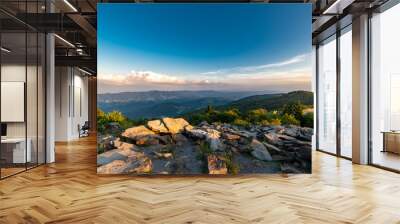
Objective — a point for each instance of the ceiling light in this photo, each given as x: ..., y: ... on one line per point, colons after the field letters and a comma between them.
x: 84, y: 71
x: 70, y: 5
x: 65, y: 41
x: 338, y: 6
x: 5, y: 50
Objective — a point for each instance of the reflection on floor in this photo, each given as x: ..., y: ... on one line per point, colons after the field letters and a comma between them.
x: 387, y: 159
x: 9, y: 170
x: 70, y: 191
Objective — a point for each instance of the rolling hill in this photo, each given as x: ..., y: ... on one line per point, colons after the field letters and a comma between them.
x: 271, y: 101
x: 154, y: 104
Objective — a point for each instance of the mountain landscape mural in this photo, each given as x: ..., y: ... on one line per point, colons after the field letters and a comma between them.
x: 189, y: 89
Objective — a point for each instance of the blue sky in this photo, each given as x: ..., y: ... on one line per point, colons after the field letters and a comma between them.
x: 203, y: 46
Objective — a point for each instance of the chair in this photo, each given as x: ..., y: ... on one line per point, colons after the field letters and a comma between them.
x: 84, y: 130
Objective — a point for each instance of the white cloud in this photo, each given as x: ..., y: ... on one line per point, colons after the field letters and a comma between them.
x: 141, y: 76
x: 295, y: 79
x: 257, y: 68
x: 262, y: 77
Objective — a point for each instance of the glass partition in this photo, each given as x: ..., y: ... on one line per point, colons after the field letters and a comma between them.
x: 22, y: 78
x: 385, y: 89
x: 346, y: 92
x: 13, y: 94
x: 31, y: 99
x: 327, y: 95
x: 41, y: 97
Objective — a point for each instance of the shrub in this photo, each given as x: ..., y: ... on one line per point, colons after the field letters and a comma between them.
x: 275, y: 121
x: 257, y: 115
x: 263, y: 123
x: 295, y: 109
x: 307, y: 120
x: 115, y: 116
x: 287, y: 119
x: 240, y: 122
x: 227, y: 116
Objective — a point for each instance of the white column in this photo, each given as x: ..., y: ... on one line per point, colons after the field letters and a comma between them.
x: 360, y: 90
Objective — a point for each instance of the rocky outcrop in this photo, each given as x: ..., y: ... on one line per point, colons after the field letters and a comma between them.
x: 259, y: 151
x: 142, y: 165
x: 175, y: 126
x: 113, y: 167
x: 168, y: 146
x: 157, y: 126
x: 137, y: 132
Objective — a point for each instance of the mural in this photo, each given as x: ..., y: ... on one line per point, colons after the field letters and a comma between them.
x: 217, y: 89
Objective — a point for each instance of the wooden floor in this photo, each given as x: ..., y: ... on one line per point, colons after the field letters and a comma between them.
x: 69, y: 191
x: 387, y: 159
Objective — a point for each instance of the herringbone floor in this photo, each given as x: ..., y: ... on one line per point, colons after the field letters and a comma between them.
x: 69, y: 191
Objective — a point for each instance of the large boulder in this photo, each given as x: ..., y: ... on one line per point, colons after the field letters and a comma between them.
x: 179, y: 139
x: 147, y: 140
x: 123, y: 151
x: 272, y: 138
x: 114, y: 167
x: 272, y: 148
x: 259, y: 151
x: 176, y: 125
x: 302, y: 133
x: 230, y: 137
x: 197, y: 133
x: 213, y: 139
x: 136, y: 165
x: 142, y: 165
x: 137, y: 132
x: 106, y: 143
x: 110, y: 156
x: 157, y: 126
x: 216, y: 165
x: 123, y: 145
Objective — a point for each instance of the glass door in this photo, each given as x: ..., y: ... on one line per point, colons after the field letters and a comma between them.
x: 345, y: 92
x: 327, y: 95
x: 385, y: 89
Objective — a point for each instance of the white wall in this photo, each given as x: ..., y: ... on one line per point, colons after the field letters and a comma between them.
x: 71, y: 102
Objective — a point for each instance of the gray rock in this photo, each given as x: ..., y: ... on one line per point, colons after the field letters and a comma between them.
x: 109, y: 157
x: 259, y: 151
x: 141, y: 165
x: 272, y: 147
x: 197, y: 133
x: 213, y: 138
x: 124, y: 151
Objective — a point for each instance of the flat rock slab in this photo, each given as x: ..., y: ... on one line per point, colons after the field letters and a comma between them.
x: 259, y: 151
x: 137, y: 132
x: 175, y: 126
x: 157, y: 126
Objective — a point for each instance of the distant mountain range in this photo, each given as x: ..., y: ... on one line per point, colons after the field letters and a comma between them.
x: 154, y: 104
x: 156, y: 96
x: 272, y: 101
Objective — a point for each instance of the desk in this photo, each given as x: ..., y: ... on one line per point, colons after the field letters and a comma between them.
x: 391, y: 141
x: 18, y: 150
